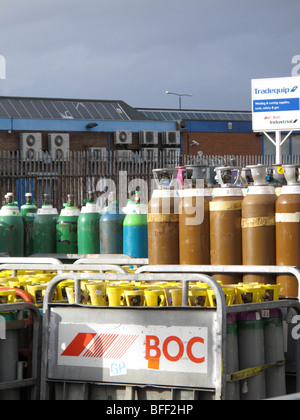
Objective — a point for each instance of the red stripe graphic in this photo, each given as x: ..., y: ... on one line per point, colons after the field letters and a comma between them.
x: 106, y: 344
x: 100, y: 345
x: 110, y: 346
x: 120, y: 346
x: 79, y: 343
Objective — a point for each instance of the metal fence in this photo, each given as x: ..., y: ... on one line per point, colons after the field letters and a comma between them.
x: 78, y: 173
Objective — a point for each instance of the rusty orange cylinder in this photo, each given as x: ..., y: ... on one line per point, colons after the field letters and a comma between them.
x: 226, y: 231
x: 258, y: 231
x: 194, y: 232
x: 163, y: 228
x: 288, y: 237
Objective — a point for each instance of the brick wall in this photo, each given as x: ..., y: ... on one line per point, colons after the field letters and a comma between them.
x: 222, y: 143
x: 209, y: 143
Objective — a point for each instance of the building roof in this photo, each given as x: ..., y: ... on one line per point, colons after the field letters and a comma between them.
x: 67, y: 109
x: 195, y: 115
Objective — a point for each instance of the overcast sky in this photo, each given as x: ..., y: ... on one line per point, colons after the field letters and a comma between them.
x: 135, y: 50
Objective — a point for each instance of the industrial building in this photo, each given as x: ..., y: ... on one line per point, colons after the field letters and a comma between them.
x: 56, y: 126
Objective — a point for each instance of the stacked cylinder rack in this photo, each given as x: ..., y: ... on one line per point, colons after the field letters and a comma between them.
x: 107, y: 293
x: 195, y: 225
x: 233, y: 224
x: 256, y: 224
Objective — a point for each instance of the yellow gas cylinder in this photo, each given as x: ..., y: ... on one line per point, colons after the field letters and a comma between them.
x: 7, y: 296
x: 97, y: 293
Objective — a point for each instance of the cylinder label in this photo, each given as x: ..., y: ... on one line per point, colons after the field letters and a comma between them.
x: 258, y: 222
x: 287, y: 217
x: 225, y: 205
x: 162, y: 218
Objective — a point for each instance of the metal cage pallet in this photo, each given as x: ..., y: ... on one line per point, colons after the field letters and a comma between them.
x: 73, y: 335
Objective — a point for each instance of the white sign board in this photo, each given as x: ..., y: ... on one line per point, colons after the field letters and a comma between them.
x: 276, y: 104
x: 121, y: 347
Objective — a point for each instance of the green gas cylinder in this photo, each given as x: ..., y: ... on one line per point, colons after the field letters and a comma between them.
x: 88, y: 228
x: 11, y: 228
x: 66, y: 228
x: 44, y: 228
x: 28, y: 212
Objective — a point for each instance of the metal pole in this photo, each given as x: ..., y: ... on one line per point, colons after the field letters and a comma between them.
x: 278, y: 147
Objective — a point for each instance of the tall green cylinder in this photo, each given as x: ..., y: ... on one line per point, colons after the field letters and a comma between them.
x: 66, y: 229
x: 28, y: 212
x: 44, y: 229
x: 88, y: 229
x: 11, y: 229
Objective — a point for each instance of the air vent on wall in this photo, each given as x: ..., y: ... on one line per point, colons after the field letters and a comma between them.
x: 123, y: 137
x: 123, y: 155
x: 148, y: 137
x: 31, y: 145
x: 97, y: 153
x: 172, y: 155
x: 150, y: 154
x: 171, y: 138
x: 59, y: 145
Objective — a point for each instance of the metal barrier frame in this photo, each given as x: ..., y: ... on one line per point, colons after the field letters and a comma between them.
x: 220, y: 318
x: 182, y: 273
x: 185, y: 274
x: 116, y: 259
x: 35, y: 380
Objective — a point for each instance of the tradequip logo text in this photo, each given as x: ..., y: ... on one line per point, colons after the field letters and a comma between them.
x: 270, y: 91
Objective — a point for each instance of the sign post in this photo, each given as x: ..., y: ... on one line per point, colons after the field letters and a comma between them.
x: 276, y: 108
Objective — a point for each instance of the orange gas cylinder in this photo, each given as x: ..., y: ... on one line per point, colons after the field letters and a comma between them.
x: 225, y: 223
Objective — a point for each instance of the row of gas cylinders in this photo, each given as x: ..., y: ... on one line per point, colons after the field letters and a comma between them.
x: 226, y: 226
x: 44, y: 231
x: 108, y: 293
x: 189, y: 226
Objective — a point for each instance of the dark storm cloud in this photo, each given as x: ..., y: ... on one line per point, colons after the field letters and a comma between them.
x: 135, y: 50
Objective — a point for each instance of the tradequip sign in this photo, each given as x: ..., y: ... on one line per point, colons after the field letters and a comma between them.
x: 275, y: 104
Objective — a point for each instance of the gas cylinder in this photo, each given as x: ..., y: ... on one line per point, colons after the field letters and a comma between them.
x: 225, y: 223
x: 111, y: 228
x: 28, y: 212
x: 180, y: 175
x: 135, y: 230
x: 194, y: 242
x: 9, y: 356
x: 163, y: 219
x: 12, y: 228
x: 274, y: 352
x: 258, y: 225
x: 232, y: 356
x: 88, y: 228
x: 251, y: 354
x: 44, y: 228
x: 66, y: 228
x: 288, y: 230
